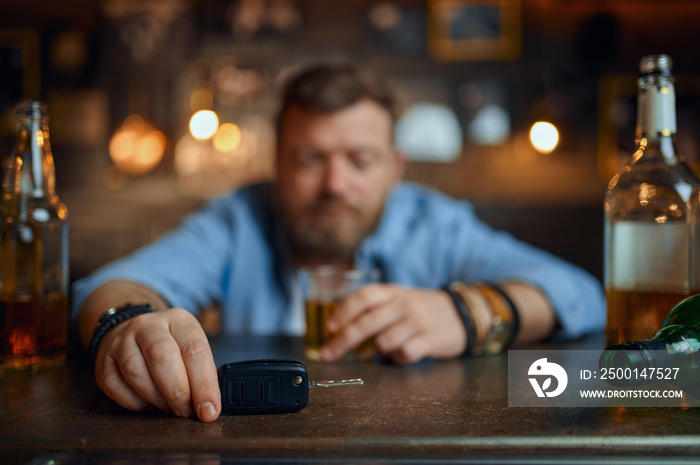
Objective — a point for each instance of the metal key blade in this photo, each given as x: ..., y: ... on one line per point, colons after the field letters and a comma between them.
x: 335, y: 382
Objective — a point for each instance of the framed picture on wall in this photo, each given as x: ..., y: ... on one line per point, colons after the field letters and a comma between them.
x: 474, y: 30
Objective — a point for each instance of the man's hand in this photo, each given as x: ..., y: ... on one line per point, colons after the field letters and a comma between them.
x: 160, y: 359
x: 407, y: 324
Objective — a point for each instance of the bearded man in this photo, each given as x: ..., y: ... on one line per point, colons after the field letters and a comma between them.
x: 337, y: 199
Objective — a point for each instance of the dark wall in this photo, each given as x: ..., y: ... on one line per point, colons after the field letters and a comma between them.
x: 97, y: 62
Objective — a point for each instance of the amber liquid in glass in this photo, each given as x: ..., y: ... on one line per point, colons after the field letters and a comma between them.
x: 34, y: 332
x: 317, y: 313
x: 635, y: 315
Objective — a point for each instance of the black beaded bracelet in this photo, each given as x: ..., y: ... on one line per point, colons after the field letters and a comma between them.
x: 463, y: 313
x: 111, y: 319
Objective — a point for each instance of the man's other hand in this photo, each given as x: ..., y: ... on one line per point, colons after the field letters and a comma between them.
x: 408, y: 324
x: 160, y: 359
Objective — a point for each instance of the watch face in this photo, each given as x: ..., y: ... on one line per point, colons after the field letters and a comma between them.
x: 499, y: 337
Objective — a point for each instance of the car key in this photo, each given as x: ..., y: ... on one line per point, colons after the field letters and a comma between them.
x: 258, y: 387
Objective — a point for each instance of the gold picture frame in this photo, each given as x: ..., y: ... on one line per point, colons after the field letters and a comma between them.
x: 474, y: 30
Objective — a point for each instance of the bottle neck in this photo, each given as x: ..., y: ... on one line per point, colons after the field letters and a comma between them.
x: 34, y: 172
x: 656, y: 118
x: 656, y: 109
x: 662, y: 147
x: 640, y: 355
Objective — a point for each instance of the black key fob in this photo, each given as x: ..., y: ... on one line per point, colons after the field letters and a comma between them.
x: 259, y: 387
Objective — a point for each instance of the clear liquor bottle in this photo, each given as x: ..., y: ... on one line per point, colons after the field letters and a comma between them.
x: 651, y: 216
x: 33, y: 249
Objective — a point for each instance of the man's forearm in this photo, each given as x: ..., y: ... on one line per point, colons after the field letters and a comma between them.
x: 537, y: 318
x: 114, y: 294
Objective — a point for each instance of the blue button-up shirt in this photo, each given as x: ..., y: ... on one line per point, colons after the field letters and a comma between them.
x: 232, y: 252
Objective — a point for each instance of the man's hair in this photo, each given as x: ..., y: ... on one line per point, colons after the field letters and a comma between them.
x: 333, y: 87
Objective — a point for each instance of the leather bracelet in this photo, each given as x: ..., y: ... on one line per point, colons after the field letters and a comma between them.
x: 478, y: 311
x: 112, y: 318
x: 463, y: 313
x: 513, y: 308
x: 502, y: 318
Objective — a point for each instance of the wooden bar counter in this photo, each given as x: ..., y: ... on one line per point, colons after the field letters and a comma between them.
x: 450, y: 412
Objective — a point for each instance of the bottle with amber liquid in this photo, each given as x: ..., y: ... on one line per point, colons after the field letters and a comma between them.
x: 33, y: 249
x: 651, y: 216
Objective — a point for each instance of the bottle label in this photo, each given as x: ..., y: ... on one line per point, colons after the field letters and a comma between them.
x: 652, y: 257
x: 657, y: 110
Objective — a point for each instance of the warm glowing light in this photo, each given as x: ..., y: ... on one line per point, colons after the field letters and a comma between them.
x: 646, y: 192
x: 137, y: 147
x: 544, y: 137
x: 204, y: 124
x: 227, y: 138
x: 640, y: 151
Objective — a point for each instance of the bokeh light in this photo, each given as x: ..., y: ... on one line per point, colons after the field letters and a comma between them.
x: 227, y: 138
x: 237, y: 155
x: 544, y: 137
x: 137, y: 146
x: 203, y: 124
x: 490, y: 126
x: 429, y: 132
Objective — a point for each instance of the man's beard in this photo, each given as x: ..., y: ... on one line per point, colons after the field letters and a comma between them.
x: 330, y: 239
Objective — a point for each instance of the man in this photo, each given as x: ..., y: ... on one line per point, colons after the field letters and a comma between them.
x: 337, y: 199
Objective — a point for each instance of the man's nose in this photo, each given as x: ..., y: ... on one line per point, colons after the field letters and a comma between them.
x: 336, y: 176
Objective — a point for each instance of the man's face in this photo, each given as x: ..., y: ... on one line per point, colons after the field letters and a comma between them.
x: 334, y: 172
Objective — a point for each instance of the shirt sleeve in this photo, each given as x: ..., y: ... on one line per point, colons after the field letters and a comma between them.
x: 184, y: 266
x: 480, y: 253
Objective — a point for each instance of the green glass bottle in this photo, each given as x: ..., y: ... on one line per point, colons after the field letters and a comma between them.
x: 672, y: 354
x: 687, y: 312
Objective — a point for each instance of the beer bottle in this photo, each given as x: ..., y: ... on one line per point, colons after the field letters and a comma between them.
x: 33, y: 249
x: 651, y: 214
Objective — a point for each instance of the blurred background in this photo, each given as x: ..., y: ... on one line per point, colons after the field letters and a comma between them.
x: 158, y: 105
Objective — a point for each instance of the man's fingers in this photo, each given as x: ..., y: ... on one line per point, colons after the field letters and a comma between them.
x: 371, y: 295
x: 412, y: 350
x: 201, y: 370
x: 395, y: 336
x: 162, y: 355
x: 134, y: 370
x: 113, y: 384
x: 368, y: 323
x: 407, y: 324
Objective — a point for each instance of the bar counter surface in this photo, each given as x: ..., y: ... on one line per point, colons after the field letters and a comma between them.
x: 452, y: 412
